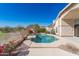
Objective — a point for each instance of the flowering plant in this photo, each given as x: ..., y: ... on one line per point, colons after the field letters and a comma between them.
x: 1, y: 49
x: 5, y: 49
x: 9, y: 47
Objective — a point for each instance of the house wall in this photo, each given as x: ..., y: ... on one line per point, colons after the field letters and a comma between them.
x: 65, y: 27
x: 57, y: 27
x: 68, y: 21
x: 76, y: 28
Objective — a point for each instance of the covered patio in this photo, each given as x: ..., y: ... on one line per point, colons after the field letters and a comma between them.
x: 69, y: 21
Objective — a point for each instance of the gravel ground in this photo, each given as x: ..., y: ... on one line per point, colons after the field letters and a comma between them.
x: 9, y: 36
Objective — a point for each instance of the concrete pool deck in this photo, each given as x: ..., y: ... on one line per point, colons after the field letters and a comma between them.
x: 49, y: 52
x: 46, y: 50
x: 51, y: 49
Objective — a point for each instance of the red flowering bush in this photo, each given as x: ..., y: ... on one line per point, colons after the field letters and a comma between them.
x: 6, y: 49
x: 1, y: 49
x: 9, y: 47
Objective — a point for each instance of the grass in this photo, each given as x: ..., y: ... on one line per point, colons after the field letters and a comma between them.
x: 1, y: 34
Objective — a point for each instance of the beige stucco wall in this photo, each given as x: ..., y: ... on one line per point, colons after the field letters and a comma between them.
x: 57, y: 27
x: 67, y: 27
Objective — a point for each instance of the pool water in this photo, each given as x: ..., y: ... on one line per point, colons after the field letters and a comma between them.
x: 44, y: 38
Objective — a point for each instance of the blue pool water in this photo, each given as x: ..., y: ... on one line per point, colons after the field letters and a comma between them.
x: 43, y: 38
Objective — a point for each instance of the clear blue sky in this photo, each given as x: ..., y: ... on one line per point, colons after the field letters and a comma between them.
x: 13, y: 14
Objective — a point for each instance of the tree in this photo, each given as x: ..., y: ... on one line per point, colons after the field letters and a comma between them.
x: 41, y: 30
x: 19, y: 28
x: 11, y: 29
x: 37, y: 28
x: 7, y: 29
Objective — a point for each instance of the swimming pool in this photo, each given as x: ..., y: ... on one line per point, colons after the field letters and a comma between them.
x: 44, y: 38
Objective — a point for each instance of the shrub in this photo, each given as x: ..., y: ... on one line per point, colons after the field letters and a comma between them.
x: 41, y: 30
x: 9, y: 47
x: 1, y: 49
x: 53, y: 31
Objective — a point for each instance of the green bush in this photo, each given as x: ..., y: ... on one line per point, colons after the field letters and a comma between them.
x: 37, y: 28
x: 53, y: 31
x: 41, y: 30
